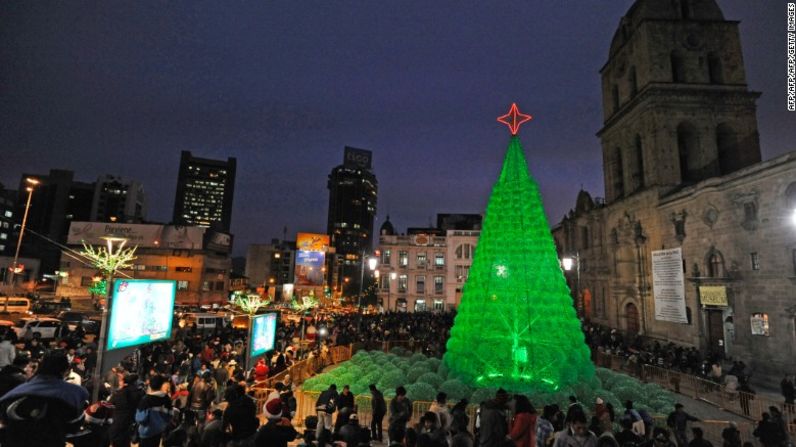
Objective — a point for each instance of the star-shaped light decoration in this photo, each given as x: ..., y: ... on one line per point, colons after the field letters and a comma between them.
x: 514, y: 119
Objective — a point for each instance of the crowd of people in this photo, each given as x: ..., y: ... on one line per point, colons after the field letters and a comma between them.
x: 196, y: 390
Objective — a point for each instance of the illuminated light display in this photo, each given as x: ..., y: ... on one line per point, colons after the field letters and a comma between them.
x: 516, y: 326
x: 514, y: 119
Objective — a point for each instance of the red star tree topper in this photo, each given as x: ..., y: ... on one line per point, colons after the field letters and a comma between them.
x: 514, y: 119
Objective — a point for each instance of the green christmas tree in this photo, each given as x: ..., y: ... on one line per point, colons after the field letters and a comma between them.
x: 516, y: 326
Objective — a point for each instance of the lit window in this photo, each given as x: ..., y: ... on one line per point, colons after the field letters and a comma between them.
x: 403, y: 258
x: 8, y: 214
x: 3, y: 236
x: 403, y: 283
x: 755, y: 258
x: 439, y: 260
x: 439, y: 284
x: 182, y: 285
x: 421, y: 260
x: 439, y: 305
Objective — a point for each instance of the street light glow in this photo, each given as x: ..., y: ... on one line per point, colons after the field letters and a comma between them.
x: 32, y: 181
x: 567, y: 263
x: 372, y: 263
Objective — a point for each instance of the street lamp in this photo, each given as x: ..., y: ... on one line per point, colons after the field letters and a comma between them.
x: 392, y: 277
x: 31, y: 182
x: 569, y: 263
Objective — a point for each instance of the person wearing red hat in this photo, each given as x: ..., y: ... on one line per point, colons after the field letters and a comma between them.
x: 260, y: 371
x: 278, y: 431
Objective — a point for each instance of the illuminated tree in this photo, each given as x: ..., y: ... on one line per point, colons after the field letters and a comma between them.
x: 516, y: 326
x: 249, y: 303
x: 98, y: 288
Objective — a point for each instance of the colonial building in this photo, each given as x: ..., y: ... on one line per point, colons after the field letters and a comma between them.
x: 681, y: 161
x: 425, y: 269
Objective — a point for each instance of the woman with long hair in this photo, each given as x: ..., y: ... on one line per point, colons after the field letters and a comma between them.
x: 523, y: 426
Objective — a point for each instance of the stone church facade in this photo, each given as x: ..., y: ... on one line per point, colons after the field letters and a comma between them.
x: 682, y: 169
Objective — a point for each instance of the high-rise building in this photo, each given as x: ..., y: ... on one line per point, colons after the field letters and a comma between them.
x: 117, y: 200
x: 8, y: 234
x: 204, y: 192
x: 352, y: 208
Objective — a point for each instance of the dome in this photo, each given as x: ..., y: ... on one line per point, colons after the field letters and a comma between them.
x: 387, y: 228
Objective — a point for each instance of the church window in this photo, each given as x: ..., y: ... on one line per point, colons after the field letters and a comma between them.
x: 727, y: 147
x: 619, y: 177
x: 688, y: 149
x: 678, y: 68
x: 714, y: 69
x: 633, y: 82
x: 638, y: 172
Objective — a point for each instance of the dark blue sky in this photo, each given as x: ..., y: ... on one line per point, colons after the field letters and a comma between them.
x: 122, y: 87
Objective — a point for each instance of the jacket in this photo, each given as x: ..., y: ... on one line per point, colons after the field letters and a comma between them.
x: 327, y: 401
x: 493, y: 424
x: 7, y: 353
x: 240, y: 417
x: 275, y: 434
x: 125, y: 402
x: 523, y: 430
x: 400, y: 411
x: 567, y: 439
x: 379, y: 405
x: 153, y: 414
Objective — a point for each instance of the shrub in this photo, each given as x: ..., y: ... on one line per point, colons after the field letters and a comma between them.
x: 415, y: 372
x: 391, y: 380
x: 399, y: 351
x: 455, y: 389
x: 418, y: 357
x: 433, y: 363
x: 442, y: 370
x: 431, y: 378
x: 421, y: 392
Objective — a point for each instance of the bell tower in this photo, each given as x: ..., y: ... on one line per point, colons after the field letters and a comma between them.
x: 677, y: 109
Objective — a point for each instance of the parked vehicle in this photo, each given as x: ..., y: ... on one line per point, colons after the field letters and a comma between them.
x: 43, y: 326
x: 73, y: 319
x: 16, y: 304
x: 50, y: 307
x: 203, y: 321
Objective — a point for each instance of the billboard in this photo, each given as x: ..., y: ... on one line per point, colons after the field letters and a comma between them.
x: 263, y: 334
x: 357, y: 158
x: 142, y: 235
x: 141, y: 312
x: 310, y: 258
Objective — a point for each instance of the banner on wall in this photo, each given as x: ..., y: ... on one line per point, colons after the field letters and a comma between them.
x: 668, y: 285
x: 141, y: 235
x: 713, y: 295
x: 311, y: 251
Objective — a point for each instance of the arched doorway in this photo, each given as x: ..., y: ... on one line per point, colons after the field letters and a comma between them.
x: 631, y: 318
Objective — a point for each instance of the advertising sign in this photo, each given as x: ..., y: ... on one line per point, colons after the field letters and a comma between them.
x: 310, y: 258
x: 141, y: 312
x: 668, y: 285
x: 142, y: 235
x: 713, y: 295
x: 263, y: 334
x: 357, y: 158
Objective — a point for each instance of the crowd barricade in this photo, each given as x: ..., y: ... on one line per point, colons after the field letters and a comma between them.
x: 744, y: 404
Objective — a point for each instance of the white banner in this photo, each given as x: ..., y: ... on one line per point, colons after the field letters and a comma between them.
x: 668, y: 285
x: 142, y: 235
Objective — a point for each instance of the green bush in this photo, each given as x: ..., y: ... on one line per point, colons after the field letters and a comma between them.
x: 421, y: 392
x: 391, y: 380
x: 399, y: 351
x: 431, y: 378
x: 455, y: 389
x: 415, y: 372
x: 418, y: 357
x: 433, y: 363
x: 442, y: 370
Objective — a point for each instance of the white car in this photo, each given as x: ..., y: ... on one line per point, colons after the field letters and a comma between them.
x: 43, y: 326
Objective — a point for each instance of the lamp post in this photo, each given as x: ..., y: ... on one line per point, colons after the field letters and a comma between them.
x: 392, y: 277
x: 372, y: 264
x: 569, y: 263
x: 108, y: 260
x: 31, y: 183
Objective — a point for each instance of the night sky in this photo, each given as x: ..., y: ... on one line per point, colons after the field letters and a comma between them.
x: 122, y: 87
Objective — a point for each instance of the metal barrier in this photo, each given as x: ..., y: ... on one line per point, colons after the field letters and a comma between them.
x: 748, y: 405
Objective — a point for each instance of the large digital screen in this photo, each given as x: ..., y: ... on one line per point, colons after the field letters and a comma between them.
x: 263, y: 334
x: 311, y: 251
x: 141, y: 312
